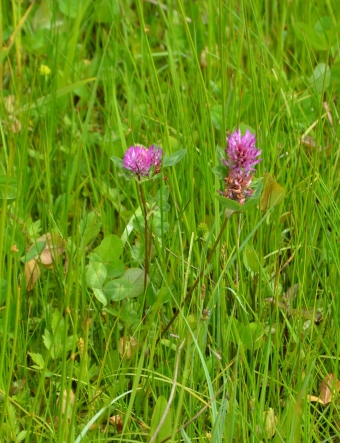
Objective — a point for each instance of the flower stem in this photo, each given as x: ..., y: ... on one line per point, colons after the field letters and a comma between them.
x: 146, y: 242
x: 193, y: 287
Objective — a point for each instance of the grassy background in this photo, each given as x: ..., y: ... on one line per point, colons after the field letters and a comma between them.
x: 180, y: 74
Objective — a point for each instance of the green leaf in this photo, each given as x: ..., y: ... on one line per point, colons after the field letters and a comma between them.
x: 117, y: 161
x: 89, y: 228
x: 38, y: 360
x: 21, y: 436
x: 220, y: 171
x: 105, y: 10
x: 115, y: 268
x: 135, y: 277
x: 174, y: 158
x: 216, y: 116
x: 321, y: 77
x: 69, y: 7
x: 251, y: 260
x: 8, y: 188
x: 34, y: 251
x: 157, y: 415
x: 316, y: 39
x: 111, y: 247
x: 100, y: 296
x: 251, y: 335
x: 96, y: 275
x: 243, y: 128
x: 229, y: 204
x: 273, y: 193
x: 117, y: 289
x: 8, y: 180
x: 220, y: 153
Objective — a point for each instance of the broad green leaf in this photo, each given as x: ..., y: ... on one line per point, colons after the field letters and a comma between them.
x: 162, y: 195
x: 216, y: 116
x: 305, y: 32
x: 96, y: 275
x: 118, y: 289
x: 234, y: 206
x: 221, y: 153
x: 38, y: 360
x: 8, y: 188
x: 251, y: 260
x: 174, y: 158
x: 220, y: 171
x: 157, y: 415
x: 21, y: 436
x: 89, y: 228
x: 251, y: 335
x: 69, y: 7
x: 136, y: 278
x: 273, y: 193
x: 229, y: 204
x: 100, y: 296
x: 243, y: 128
x: 115, y: 268
x: 117, y: 161
x: 321, y: 77
x: 111, y: 247
x: 10, y: 180
x: 105, y: 10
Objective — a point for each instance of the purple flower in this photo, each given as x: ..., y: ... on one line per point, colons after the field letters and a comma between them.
x: 242, y: 152
x: 156, y: 154
x: 139, y: 159
x: 242, y: 157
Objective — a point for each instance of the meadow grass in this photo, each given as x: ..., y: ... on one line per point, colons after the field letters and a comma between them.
x: 81, y: 82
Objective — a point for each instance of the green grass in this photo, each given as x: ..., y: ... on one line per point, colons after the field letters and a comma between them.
x: 179, y: 74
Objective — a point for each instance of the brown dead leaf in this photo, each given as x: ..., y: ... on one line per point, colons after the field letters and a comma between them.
x: 126, y: 345
x: 32, y: 273
x: 310, y: 143
x: 329, y: 387
x: 115, y: 420
x: 52, y: 250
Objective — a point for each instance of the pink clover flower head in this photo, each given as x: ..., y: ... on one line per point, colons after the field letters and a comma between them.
x: 156, y: 155
x: 137, y: 159
x: 242, y: 157
x: 242, y: 152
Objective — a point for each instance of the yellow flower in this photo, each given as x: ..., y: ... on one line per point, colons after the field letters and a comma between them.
x: 44, y: 70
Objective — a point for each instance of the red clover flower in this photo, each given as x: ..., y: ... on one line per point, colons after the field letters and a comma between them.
x: 139, y: 159
x: 242, y: 157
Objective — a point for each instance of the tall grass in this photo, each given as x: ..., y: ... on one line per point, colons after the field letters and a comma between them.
x: 261, y: 329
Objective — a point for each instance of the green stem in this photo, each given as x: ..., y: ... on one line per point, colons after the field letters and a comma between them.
x: 146, y: 261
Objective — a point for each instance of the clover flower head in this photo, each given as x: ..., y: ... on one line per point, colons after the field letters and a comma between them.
x: 156, y: 155
x: 242, y: 157
x: 137, y: 160
x: 242, y: 152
